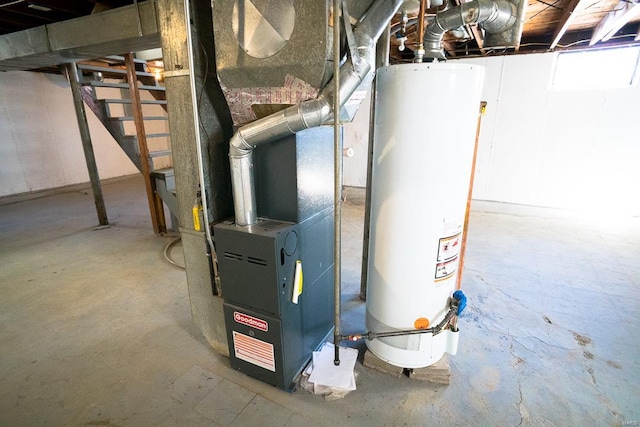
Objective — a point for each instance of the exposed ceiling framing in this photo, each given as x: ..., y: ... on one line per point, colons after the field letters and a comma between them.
x: 548, y: 24
x: 16, y: 15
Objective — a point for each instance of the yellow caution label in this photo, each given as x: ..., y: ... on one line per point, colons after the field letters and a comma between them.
x: 297, y: 282
x: 196, y: 217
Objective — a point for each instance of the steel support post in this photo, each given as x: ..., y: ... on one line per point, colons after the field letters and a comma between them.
x: 87, y: 146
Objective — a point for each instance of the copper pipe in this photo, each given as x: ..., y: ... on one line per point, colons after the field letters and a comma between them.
x: 419, y: 52
x: 465, y: 230
x: 421, y: 13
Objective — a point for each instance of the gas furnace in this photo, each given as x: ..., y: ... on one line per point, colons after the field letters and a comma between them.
x: 273, y: 321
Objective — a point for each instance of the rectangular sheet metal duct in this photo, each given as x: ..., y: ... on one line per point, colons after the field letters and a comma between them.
x: 116, y: 31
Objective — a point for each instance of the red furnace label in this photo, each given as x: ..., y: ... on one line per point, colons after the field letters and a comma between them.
x: 250, y: 321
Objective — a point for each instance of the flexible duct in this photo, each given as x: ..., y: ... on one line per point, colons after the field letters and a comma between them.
x: 494, y: 15
x: 304, y: 115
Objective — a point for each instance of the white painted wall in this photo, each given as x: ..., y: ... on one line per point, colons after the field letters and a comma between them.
x: 563, y: 149
x: 40, y: 145
x: 541, y: 147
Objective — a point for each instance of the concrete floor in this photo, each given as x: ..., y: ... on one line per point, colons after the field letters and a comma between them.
x: 96, y: 328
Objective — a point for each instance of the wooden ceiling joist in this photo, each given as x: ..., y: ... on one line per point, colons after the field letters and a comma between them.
x: 449, y: 47
x: 567, y: 17
x: 477, y: 36
x: 624, y: 12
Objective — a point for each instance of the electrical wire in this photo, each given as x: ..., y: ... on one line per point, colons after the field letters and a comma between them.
x: 204, y: 82
x: 212, y: 249
x: 196, y: 100
x: 166, y: 255
x: 196, y: 120
x: 553, y: 5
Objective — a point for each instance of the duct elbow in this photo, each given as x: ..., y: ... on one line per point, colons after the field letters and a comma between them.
x: 449, y: 19
x: 433, y: 49
x: 494, y: 16
x: 502, y: 17
x: 238, y: 146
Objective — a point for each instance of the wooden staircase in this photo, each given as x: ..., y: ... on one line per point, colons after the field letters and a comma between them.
x: 131, y: 104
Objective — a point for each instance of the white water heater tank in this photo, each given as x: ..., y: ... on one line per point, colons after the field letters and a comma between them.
x: 426, y: 117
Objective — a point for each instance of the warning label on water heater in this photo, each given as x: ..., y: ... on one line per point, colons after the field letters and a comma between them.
x: 449, y: 247
x: 448, y: 251
x: 446, y: 269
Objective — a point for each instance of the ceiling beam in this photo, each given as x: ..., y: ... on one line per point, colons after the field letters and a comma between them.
x: 477, y: 36
x: 625, y: 11
x: 569, y: 14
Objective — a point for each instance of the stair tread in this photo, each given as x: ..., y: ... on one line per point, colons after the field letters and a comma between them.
x: 164, y: 172
x: 159, y: 153
x: 110, y: 70
x: 128, y: 101
x: 130, y: 118
x: 173, y: 192
x: 134, y: 138
x: 124, y: 85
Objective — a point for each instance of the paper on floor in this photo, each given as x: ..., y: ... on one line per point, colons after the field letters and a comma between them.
x: 325, y: 373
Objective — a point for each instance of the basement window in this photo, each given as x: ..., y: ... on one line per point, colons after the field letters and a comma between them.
x: 597, y: 69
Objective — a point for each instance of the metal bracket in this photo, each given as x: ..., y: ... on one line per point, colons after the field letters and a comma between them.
x: 351, y: 40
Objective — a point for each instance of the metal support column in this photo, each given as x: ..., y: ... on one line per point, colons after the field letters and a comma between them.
x: 337, y: 183
x: 155, y: 203
x: 87, y: 146
x: 382, y: 60
x: 216, y: 128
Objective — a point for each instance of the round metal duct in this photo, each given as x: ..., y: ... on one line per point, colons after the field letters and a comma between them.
x: 262, y: 28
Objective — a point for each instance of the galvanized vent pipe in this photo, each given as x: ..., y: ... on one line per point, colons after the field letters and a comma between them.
x: 494, y: 15
x: 304, y: 115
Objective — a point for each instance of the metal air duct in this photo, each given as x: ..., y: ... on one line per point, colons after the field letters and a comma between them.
x: 495, y: 16
x: 303, y: 115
